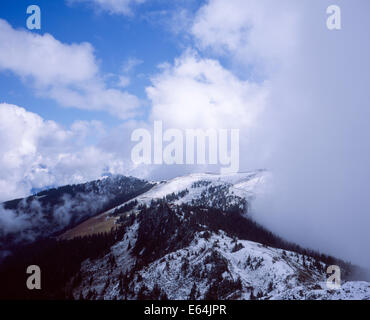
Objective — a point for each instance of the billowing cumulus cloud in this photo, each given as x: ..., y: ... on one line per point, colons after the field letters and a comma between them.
x: 200, y: 93
x: 67, y: 73
x: 35, y: 153
x: 257, y: 35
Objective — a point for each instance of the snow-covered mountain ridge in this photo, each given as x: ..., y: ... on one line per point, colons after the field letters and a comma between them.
x: 236, y: 188
x: 218, y: 267
x: 190, y: 238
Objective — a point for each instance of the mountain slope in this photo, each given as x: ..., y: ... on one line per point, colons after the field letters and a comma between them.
x: 166, y: 252
x: 194, y: 187
x: 57, y: 209
x: 187, y: 238
x: 212, y: 190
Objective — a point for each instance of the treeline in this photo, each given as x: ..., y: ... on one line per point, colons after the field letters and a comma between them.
x: 82, y: 201
x: 160, y: 231
x: 219, y: 197
x: 240, y: 226
x: 125, y: 208
x: 164, y: 229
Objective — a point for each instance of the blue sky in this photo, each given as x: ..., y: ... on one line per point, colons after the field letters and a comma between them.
x: 116, y: 39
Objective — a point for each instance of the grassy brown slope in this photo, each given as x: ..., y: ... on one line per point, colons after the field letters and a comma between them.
x: 98, y: 224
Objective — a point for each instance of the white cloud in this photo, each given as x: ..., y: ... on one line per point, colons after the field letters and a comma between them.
x: 67, y: 73
x: 35, y: 153
x: 258, y: 34
x: 200, y: 93
x: 304, y: 111
x: 123, y: 7
x: 313, y: 126
x: 123, y: 81
x: 130, y: 64
x: 10, y: 222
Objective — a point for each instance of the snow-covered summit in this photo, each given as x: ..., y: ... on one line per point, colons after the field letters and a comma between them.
x: 190, y: 188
